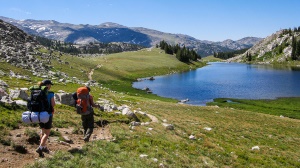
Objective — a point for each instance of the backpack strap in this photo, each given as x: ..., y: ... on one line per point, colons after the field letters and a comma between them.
x: 39, y: 117
x: 30, y: 116
x: 89, y: 98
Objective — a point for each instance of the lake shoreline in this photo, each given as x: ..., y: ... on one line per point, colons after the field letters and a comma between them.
x: 218, y: 79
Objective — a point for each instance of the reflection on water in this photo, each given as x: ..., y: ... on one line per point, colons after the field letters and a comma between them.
x: 277, y: 67
x: 231, y: 80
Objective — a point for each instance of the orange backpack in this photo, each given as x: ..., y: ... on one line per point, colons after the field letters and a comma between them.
x: 83, y: 102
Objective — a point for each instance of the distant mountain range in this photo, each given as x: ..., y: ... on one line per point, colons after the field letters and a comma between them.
x: 113, y: 32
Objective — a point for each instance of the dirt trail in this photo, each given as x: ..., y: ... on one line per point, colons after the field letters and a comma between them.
x: 92, y: 72
x: 11, y: 158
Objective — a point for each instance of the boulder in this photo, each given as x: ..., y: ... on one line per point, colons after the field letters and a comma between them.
x: 3, y: 84
x: 192, y: 137
x: 2, y: 93
x: 125, y: 111
x: 64, y: 98
x: 7, y: 99
x: 134, y: 123
x: 168, y: 126
x: 15, y: 94
x: 21, y: 102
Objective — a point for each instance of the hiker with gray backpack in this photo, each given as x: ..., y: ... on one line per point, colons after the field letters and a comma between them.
x: 46, y: 127
x: 84, y: 104
x: 42, y: 100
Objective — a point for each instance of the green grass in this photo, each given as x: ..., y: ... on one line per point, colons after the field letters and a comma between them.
x: 138, y: 64
x: 211, y: 58
x: 235, y: 127
x: 287, y: 107
x: 234, y: 133
x: 6, y: 67
x: 10, y: 116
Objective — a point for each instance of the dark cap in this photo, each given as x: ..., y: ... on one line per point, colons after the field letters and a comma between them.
x: 46, y: 82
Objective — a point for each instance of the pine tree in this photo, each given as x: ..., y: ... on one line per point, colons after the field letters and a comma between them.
x: 184, y: 54
x: 297, y: 52
x: 249, y: 57
x: 162, y: 45
x: 168, y: 49
x: 295, y: 29
x: 176, y: 48
x: 294, y: 45
x: 194, y: 55
x: 179, y: 55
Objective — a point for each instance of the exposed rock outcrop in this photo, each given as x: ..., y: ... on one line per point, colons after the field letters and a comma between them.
x: 274, y: 48
x: 17, y: 48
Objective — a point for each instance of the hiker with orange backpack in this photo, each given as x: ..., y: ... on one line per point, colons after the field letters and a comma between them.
x: 84, y: 104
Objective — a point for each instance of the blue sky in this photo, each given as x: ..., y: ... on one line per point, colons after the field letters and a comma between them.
x: 214, y: 20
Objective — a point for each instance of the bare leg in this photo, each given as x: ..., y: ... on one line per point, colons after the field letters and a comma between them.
x: 45, y: 135
x: 42, y: 148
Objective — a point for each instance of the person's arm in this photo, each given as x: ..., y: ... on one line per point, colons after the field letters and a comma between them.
x: 74, y: 95
x: 52, y: 101
x: 92, y: 102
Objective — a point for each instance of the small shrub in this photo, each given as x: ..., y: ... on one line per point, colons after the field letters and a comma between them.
x: 20, y: 148
x: 5, y: 142
x: 142, y: 117
x: 55, y: 133
x: 77, y: 130
x: 33, y: 136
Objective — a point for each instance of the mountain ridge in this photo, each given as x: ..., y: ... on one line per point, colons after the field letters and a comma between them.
x: 114, y: 32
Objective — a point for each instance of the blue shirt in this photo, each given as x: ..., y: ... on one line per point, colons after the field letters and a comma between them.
x: 49, y: 97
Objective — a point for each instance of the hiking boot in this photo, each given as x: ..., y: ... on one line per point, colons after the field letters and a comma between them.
x: 46, y: 150
x: 86, y: 139
x: 40, y: 152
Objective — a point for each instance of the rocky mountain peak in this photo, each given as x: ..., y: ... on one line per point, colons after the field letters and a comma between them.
x: 111, y: 25
x: 249, y: 40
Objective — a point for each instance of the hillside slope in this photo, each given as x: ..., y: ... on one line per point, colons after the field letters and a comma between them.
x: 276, y: 48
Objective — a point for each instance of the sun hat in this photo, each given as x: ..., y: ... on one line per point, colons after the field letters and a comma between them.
x: 46, y: 82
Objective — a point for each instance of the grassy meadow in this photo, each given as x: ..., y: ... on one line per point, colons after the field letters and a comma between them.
x: 243, y: 134
x: 211, y: 58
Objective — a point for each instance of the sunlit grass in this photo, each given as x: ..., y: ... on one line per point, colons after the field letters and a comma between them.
x: 224, y: 135
x: 229, y: 142
x: 286, y: 107
x: 211, y: 58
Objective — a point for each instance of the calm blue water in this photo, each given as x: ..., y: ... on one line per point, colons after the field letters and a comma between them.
x: 226, y: 80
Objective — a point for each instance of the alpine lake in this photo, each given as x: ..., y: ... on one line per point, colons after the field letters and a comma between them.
x: 226, y: 80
